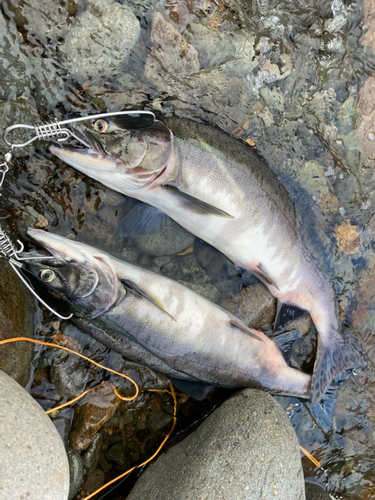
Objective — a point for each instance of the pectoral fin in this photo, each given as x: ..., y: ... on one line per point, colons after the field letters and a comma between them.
x: 194, y: 205
x: 261, y: 273
x: 234, y: 323
x: 141, y: 220
x: 130, y: 285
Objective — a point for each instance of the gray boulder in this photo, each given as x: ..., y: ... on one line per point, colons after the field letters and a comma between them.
x: 245, y: 450
x: 33, y: 461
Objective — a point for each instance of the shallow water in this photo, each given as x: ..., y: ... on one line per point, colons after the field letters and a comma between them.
x: 294, y: 78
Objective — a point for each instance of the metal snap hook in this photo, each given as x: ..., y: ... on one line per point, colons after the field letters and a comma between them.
x: 57, y: 129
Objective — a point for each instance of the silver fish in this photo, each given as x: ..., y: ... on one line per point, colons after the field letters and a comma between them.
x: 221, y: 190
x: 158, y: 322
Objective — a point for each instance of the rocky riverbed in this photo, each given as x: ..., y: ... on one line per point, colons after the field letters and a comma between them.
x: 296, y: 80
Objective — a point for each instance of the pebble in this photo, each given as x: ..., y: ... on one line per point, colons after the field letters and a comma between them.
x: 91, y: 414
x: 315, y: 492
x: 33, y: 461
x: 76, y: 472
x: 246, y: 449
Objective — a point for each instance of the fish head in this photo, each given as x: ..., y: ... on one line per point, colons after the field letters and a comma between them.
x: 77, y: 276
x: 125, y: 153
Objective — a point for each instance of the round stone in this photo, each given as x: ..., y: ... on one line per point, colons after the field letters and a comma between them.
x: 33, y: 461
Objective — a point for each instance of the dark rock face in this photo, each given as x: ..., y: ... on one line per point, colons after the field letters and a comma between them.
x: 245, y: 449
x: 16, y: 320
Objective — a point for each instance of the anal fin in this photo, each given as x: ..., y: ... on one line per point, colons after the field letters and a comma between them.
x: 287, y: 313
x: 197, y: 390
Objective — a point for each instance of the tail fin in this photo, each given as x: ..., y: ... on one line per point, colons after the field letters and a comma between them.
x: 332, y: 361
x: 323, y: 411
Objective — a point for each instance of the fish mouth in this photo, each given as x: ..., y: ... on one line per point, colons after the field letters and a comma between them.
x: 56, y: 245
x: 84, y: 160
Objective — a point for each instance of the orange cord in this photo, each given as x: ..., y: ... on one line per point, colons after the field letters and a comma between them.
x: 314, y: 460
x: 55, y: 408
x: 50, y: 344
x: 172, y: 392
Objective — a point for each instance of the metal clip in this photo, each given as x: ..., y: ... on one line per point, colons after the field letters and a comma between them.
x: 57, y: 129
x: 4, y: 167
x: 8, y: 251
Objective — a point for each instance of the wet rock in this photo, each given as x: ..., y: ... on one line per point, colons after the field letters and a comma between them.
x: 99, y: 235
x: 206, y: 289
x: 62, y: 425
x: 172, y: 67
x: 16, y: 320
x: 28, y: 75
x: 75, y: 472
x: 315, y: 492
x: 91, y: 456
x: 233, y: 52
x: 181, y: 57
x: 33, y: 461
x: 94, y: 481
x: 89, y: 417
x: 185, y: 268
x: 100, y: 41
x: 44, y: 20
x: 255, y: 305
x: 171, y: 240
x: 111, y: 215
x: 70, y: 376
x: 118, y: 457
x: 313, y: 178
x: 159, y: 419
x: 250, y: 434
x: 210, y: 259
x: 270, y: 72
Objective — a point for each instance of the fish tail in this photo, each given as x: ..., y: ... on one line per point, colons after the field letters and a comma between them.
x: 343, y: 353
x: 323, y: 411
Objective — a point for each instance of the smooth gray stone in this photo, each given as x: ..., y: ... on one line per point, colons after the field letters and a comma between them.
x: 245, y: 450
x: 33, y: 461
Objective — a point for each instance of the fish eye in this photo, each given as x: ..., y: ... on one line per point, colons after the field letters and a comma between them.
x: 100, y: 126
x: 47, y: 275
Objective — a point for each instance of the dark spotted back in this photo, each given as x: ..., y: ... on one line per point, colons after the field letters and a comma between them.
x: 241, y: 154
